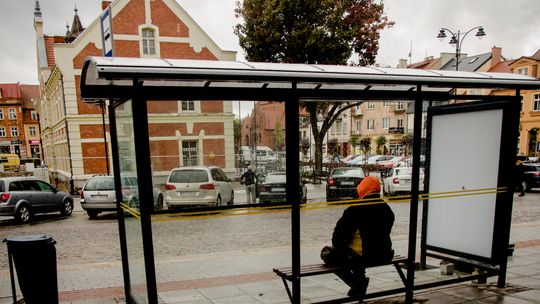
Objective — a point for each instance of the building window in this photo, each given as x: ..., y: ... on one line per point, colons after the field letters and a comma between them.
x: 12, y: 114
x: 14, y: 132
x: 33, y: 114
x: 523, y: 71
x: 1, y: 113
x: 2, y: 132
x: 345, y: 130
x: 386, y: 104
x: 189, y: 153
x: 188, y: 105
x: 370, y: 105
x: 358, y: 126
x: 32, y: 131
x: 148, y: 41
x: 536, y: 102
x: 400, y: 122
x: 400, y: 105
x: 370, y: 124
x: 386, y: 123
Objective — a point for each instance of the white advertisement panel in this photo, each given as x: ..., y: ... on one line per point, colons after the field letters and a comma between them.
x: 464, y: 157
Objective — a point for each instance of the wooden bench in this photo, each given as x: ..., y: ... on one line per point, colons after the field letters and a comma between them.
x: 286, y: 274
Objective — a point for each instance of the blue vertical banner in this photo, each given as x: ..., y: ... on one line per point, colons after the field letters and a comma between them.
x: 106, y: 32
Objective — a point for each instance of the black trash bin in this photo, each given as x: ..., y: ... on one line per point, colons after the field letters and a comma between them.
x: 34, y: 257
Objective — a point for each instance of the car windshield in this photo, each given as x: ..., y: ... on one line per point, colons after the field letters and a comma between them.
x: 99, y: 184
x: 348, y: 172
x: 276, y: 178
x: 189, y: 176
x: 130, y: 181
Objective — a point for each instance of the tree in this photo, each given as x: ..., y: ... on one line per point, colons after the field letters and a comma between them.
x: 304, y: 146
x: 353, y: 141
x: 365, y: 147
x: 323, y: 32
x: 380, y: 142
x: 237, y: 126
x: 279, y: 136
x: 407, y: 143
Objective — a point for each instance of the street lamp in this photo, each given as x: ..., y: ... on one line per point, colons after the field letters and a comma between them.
x: 457, y: 39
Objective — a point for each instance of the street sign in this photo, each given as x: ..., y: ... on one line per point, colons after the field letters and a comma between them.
x: 106, y: 32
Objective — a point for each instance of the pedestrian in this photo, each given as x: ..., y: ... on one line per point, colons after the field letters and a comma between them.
x: 249, y: 179
x: 361, y: 237
x: 520, y: 177
x: 336, y: 157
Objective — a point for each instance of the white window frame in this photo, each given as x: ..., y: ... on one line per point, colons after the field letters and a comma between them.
x: 196, y: 106
x: 1, y: 113
x: 370, y: 124
x: 399, y: 122
x: 32, y: 131
x: 2, y: 131
x: 12, y: 113
x: 143, y: 40
x: 371, y: 105
x: 358, y: 125
x: 14, y: 131
x: 34, y: 115
x: 536, y: 103
x: 400, y: 105
x: 386, y: 104
x: 190, y: 156
x: 386, y: 123
x: 523, y: 71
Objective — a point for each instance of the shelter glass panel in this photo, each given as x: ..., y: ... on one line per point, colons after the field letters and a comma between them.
x: 130, y: 202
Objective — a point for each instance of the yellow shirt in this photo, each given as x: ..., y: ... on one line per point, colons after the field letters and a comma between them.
x: 356, y: 242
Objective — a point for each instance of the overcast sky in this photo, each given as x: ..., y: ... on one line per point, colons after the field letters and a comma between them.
x: 512, y: 25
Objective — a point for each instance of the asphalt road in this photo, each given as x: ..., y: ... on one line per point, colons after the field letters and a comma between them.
x: 81, y: 240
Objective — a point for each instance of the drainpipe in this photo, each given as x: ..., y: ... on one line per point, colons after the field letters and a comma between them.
x: 71, y: 182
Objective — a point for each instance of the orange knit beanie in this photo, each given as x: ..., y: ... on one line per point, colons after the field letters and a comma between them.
x: 368, y: 185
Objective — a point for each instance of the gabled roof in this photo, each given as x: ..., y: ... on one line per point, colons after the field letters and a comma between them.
x: 424, y: 65
x: 29, y: 92
x: 468, y: 64
x: 501, y: 67
x: 76, y: 28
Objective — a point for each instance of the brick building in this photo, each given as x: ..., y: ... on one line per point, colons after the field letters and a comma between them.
x: 260, y: 125
x: 182, y: 133
x: 19, y: 124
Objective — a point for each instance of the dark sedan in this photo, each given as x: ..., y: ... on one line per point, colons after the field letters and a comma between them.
x: 342, y: 183
x: 272, y: 189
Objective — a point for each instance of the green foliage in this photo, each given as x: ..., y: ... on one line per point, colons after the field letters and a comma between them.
x: 407, y: 143
x: 381, y: 142
x: 237, y: 127
x: 365, y: 146
x: 279, y: 136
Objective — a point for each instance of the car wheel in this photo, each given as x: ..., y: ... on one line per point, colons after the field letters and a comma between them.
x: 218, y: 200
x: 92, y: 214
x: 231, y: 202
x: 67, y: 208
x: 24, y: 214
x: 159, y: 203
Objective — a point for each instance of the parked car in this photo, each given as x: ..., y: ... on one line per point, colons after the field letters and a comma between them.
x: 263, y: 154
x: 399, y: 181
x: 532, y: 176
x: 272, y: 189
x: 196, y: 186
x: 391, y: 163
x: 98, y: 194
x: 23, y: 197
x: 342, y: 183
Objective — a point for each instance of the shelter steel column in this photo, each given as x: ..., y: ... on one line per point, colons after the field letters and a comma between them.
x: 417, y: 140
x: 293, y: 185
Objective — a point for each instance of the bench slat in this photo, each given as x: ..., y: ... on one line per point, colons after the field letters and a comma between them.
x: 316, y: 269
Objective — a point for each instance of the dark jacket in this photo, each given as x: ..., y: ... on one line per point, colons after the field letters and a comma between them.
x: 375, y: 224
x: 248, y: 178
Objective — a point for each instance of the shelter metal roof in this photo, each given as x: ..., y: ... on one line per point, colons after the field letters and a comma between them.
x: 105, y: 77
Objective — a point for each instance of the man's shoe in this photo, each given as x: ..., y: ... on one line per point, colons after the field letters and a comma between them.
x: 359, y: 290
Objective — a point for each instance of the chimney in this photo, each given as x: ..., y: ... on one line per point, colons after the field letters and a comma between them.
x: 402, y: 64
x: 105, y: 3
x: 496, y: 55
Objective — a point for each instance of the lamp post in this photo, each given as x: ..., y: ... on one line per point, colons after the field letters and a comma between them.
x: 457, y: 39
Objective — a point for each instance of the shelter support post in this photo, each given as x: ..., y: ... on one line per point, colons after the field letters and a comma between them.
x: 512, y: 149
x: 425, y: 204
x: 417, y: 138
x: 293, y: 186
x: 142, y: 148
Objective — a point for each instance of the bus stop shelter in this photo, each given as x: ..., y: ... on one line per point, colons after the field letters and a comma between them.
x: 488, y: 126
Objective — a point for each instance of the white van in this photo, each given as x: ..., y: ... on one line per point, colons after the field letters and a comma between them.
x: 264, y: 155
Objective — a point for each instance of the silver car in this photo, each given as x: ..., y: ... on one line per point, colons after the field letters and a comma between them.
x: 196, y: 186
x: 98, y: 194
x: 22, y: 197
